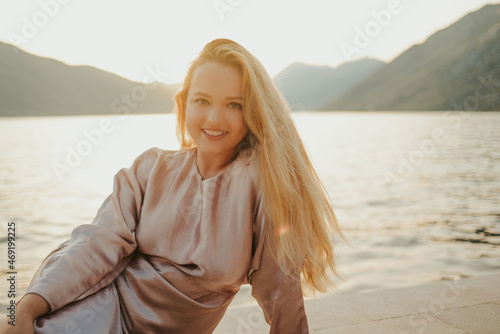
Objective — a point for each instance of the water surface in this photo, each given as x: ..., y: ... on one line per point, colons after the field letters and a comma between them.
x: 417, y: 194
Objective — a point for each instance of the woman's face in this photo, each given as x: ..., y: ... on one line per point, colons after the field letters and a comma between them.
x: 214, y: 114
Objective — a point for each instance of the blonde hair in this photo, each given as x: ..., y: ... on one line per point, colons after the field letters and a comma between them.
x: 302, y: 221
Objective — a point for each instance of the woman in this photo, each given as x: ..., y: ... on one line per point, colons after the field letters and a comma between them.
x: 239, y: 203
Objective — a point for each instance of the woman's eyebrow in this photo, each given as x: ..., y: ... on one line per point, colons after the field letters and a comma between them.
x: 227, y: 98
x: 201, y: 93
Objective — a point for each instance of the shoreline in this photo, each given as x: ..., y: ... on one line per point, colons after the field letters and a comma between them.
x: 468, y: 305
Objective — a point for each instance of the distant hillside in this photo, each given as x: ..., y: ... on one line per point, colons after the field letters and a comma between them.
x: 456, y: 68
x: 34, y: 86
x: 308, y: 87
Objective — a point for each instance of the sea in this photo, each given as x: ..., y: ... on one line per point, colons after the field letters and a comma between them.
x: 417, y: 194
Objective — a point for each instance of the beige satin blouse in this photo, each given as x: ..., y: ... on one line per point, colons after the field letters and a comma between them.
x: 166, y: 253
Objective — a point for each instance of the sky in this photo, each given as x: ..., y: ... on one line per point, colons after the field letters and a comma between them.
x: 130, y: 38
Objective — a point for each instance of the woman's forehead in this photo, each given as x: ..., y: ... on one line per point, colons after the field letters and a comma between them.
x: 216, y: 79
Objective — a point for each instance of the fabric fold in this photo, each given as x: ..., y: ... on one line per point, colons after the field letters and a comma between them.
x: 168, y: 251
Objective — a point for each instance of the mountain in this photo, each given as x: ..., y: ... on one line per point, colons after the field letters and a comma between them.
x: 35, y: 86
x: 457, y: 68
x: 308, y: 87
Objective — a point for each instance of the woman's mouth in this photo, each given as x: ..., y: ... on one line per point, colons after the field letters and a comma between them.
x: 214, y: 133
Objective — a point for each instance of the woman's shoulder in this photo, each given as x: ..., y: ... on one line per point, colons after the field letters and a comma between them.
x: 246, y: 166
x: 250, y: 160
x: 246, y: 156
x: 155, y: 153
x: 155, y: 160
x: 155, y: 157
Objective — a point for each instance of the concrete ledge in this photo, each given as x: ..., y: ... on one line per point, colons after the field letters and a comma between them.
x: 462, y: 306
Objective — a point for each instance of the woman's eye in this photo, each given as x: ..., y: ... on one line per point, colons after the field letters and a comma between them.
x: 201, y: 101
x: 235, y: 105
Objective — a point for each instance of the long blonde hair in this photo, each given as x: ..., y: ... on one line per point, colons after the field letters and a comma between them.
x: 302, y: 221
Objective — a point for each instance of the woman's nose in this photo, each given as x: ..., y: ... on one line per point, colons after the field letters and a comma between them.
x: 215, y: 113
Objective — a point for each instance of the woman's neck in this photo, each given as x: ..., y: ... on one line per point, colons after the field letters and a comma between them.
x: 209, y: 165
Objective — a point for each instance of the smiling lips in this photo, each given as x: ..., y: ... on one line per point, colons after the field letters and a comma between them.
x: 214, y: 133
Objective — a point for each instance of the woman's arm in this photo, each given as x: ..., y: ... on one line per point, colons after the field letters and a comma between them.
x: 29, y: 308
x: 279, y: 296
x: 32, y: 306
x: 97, y: 253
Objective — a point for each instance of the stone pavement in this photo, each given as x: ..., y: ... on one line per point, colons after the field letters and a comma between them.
x: 463, y: 306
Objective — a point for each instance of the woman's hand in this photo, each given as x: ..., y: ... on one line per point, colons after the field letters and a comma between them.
x: 28, y: 309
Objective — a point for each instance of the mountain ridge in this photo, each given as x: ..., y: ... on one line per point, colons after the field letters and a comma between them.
x: 442, y: 73
x: 309, y: 87
x: 56, y: 88
x: 456, y: 68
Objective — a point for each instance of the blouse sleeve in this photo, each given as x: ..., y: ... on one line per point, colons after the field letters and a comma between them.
x: 279, y: 296
x: 96, y: 253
